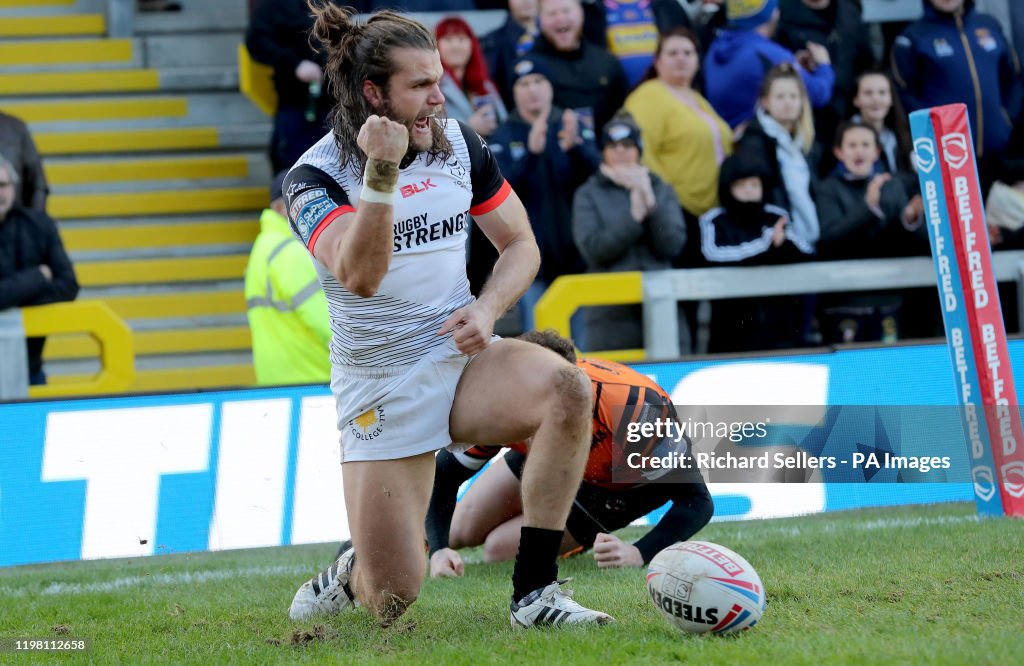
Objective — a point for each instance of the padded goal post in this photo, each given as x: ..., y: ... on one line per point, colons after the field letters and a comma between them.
x: 973, y: 319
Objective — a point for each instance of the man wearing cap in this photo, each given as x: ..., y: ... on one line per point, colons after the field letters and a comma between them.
x: 545, y: 155
x: 742, y: 54
x: 626, y: 218
x: 286, y: 305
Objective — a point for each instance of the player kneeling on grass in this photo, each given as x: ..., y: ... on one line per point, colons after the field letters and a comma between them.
x: 491, y: 512
x: 405, y: 327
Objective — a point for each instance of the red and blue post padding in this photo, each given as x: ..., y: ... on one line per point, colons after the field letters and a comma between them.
x: 971, y: 312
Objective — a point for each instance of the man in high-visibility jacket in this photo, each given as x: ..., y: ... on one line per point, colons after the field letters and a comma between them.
x: 291, y: 331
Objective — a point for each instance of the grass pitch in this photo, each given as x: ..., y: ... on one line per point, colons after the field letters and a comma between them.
x: 913, y: 585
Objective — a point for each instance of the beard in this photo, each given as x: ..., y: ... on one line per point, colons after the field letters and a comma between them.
x: 417, y: 144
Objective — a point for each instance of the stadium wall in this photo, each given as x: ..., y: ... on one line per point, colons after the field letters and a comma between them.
x: 137, y: 476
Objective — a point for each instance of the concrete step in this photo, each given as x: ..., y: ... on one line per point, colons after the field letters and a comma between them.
x: 161, y: 271
x: 118, y: 81
x: 173, y: 341
x: 79, y: 238
x: 171, y: 301
x: 114, y: 204
x: 46, y: 115
x: 106, y: 142
x: 65, y: 83
x: 63, y: 174
x: 10, y: 8
x: 220, y: 376
x: 65, y: 54
x: 134, y: 112
x: 49, y: 26
x: 192, y: 50
x: 200, y: 17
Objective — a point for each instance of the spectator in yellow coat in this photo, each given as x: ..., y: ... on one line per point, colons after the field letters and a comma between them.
x: 291, y: 331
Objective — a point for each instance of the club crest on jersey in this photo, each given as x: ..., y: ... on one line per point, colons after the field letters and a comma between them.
x: 369, y: 424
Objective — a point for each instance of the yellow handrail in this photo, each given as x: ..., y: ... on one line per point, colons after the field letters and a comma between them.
x: 117, y: 351
x: 569, y: 292
x: 256, y: 81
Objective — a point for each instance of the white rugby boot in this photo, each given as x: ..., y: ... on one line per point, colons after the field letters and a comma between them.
x: 327, y: 592
x: 550, y: 606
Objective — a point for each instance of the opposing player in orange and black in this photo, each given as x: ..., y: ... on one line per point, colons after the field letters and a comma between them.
x: 611, y: 496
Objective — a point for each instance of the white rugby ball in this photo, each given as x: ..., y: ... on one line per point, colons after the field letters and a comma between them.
x: 702, y: 587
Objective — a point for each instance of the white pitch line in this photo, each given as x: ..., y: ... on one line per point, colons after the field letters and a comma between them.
x: 182, y: 577
x: 754, y: 531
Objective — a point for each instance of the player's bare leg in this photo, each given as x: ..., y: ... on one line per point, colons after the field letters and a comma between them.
x: 491, y: 514
x: 387, y: 506
x: 492, y: 500
x: 513, y: 391
x: 386, y: 502
x: 502, y: 543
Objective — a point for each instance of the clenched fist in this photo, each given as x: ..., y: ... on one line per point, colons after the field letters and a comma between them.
x: 383, y: 139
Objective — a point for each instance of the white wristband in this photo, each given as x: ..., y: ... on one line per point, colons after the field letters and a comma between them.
x: 370, y: 195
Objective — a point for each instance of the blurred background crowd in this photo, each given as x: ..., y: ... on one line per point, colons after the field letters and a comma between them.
x: 644, y: 135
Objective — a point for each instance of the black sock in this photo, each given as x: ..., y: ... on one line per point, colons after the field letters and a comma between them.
x: 536, y: 561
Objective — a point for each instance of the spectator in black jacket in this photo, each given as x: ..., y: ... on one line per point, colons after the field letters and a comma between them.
x: 17, y: 146
x: 279, y: 36
x: 34, y: 268
x: 864, y: 210
x: 746, y: 230
x: 837, y: 25
x: 503, y: 46
x: 586, y: 77
x: 545, y: 157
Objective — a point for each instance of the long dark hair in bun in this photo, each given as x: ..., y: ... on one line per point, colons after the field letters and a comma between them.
x: 358, y: 52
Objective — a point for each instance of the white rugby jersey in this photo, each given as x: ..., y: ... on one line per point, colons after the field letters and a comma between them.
x: 426, y: 280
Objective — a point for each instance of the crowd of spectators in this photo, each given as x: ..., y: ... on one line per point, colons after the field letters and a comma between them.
x: 652, y: 134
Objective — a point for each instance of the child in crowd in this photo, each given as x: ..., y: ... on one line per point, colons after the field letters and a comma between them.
x: 865, y: 212
x: 781, y: 135
x: 880, y: 108
x: 745, y: 230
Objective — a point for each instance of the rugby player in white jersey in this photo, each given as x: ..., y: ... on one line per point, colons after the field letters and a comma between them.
x: 383, y: 203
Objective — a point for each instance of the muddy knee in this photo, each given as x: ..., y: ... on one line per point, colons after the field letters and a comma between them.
x: 573, y: 402
x: 389, y: 599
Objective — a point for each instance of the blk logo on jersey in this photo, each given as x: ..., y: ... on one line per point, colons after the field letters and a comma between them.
x: 368, y: 425
x: 410, y: 190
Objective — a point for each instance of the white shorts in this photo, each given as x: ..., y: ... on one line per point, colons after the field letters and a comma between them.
x: 391, y: 412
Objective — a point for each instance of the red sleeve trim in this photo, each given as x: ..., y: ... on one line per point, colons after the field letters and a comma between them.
x: 326, y: 222
x: 499, y: 198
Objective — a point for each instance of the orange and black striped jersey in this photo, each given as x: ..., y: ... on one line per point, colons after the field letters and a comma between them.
x: 621, y: 396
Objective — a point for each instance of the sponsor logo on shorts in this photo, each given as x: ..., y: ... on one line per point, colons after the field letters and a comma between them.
x: 368, y: 425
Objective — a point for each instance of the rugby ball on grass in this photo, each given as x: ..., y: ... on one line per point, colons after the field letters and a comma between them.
x: 701, y: 587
